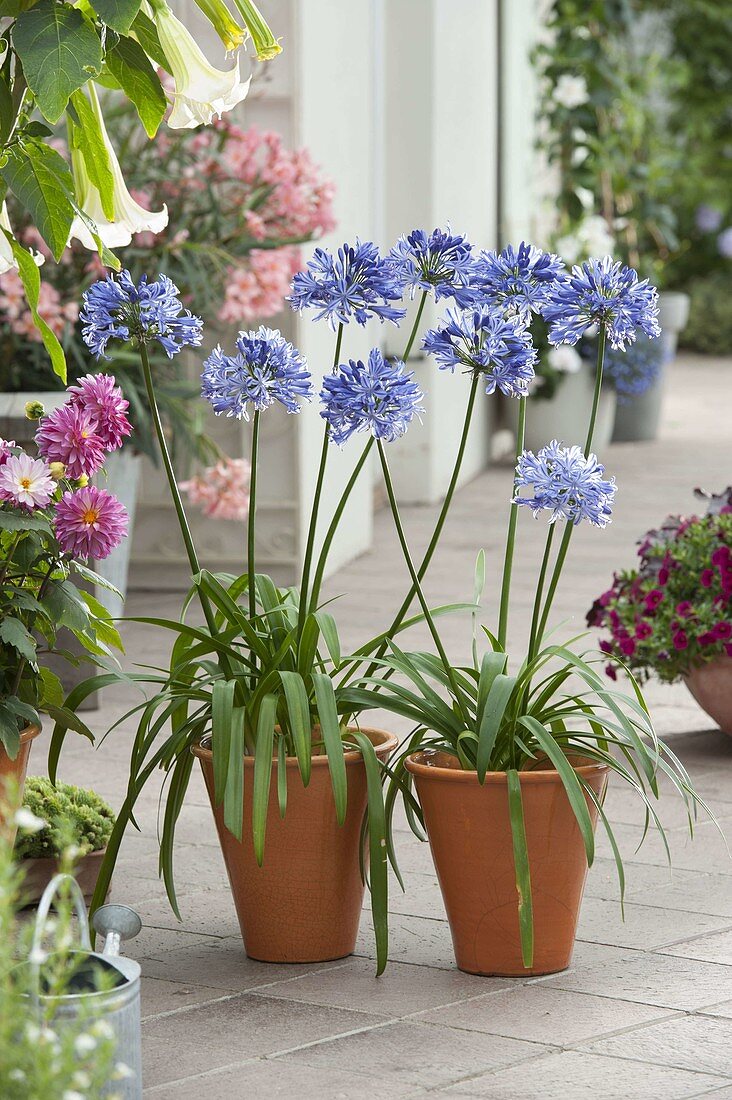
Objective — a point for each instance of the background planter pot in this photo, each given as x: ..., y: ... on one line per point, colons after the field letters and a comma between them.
x: 37, y: 873
x: 565, y: 415
x: 304, y: 903
x: 673, y: 315
x: 711, y: 686
x: 14, y: 771
x: 123, y: 478
x: 469, y: 832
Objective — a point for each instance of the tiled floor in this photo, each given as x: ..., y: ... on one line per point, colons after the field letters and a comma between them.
x: 645, y: 1012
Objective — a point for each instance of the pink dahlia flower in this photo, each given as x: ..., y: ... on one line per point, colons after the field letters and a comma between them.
x: 221, y: 491
x: 90, y: 523
x: 70, y: 435
x: 99, y: 395
x: 26, y: 481
x: 6, y: 449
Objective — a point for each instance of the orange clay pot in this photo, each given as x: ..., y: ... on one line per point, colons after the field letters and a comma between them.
x: 711, y: 686
x: 12, y: 773
x: 304, y: 903
x: 469, y: 831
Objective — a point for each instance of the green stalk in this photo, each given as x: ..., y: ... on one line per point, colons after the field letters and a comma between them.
x: 251, y: 571
x: 415, y: 326
x: 511, y: 538
x: 310, y: 544
x: 418, y: 587
x: 533, y: 640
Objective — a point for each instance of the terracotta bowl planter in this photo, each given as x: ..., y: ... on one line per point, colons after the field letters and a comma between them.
x: 37, y: 873
x: 469, y: 832
x: 711, y: 686
x: 13, y: 772
x: 304, y: 903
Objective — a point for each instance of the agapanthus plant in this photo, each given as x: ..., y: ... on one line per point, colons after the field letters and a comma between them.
x: 674, y: 610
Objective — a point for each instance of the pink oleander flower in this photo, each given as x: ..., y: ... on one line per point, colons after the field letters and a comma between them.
x: 69, y: 435
x: 26, y: 481
x: 90, y: 523
x: 6, y: 449
x: 14, y: 309
x: 99, y: 395
x: 221, y: 491
x: 258, y: 289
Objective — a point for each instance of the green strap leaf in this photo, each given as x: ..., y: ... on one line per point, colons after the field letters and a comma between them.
x: 498, y: 699
x: 60, y: 52
x: 329, y: 630
x: 521, y: 864
x: 234, y: 788
x: 222, y: 706
x: 263, y: 772
x: 331, y: 731
x: 378, y: 849
x: 282, y: 776
x: 298, y: 711
x: 129, y: 65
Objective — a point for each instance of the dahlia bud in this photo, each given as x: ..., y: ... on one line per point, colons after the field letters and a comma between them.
x: 34, y: 410
x: 83, y: 481
x: 57, y: 470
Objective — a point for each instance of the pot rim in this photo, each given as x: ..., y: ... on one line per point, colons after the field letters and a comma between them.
x: 55, y: 859
x: 414, y: 765
x: 29, y: 733
x: 385, y: 744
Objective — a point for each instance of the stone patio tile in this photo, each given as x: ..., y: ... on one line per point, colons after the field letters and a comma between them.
x: 645, y: 926
x: 154, y: 942
x: 272, y: 1078
x: 647, y: 978
x: 402, y: 989
x: 224, y: 966
x: 539, y: 1014
x: 421, y: 896
x: 713, y: 948
x: 688, y: 1042
x: 236, y: 1029
x: 577, y: 1076
x: 707, y: 850
x: 159, y: 995
x: 691, y: 891
x: 207, y: 912
x: 418, y: 1054
x: 723, y: 1009
x: 419, y: 940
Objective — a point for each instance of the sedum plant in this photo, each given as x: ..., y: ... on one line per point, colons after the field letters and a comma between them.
x: 68, y: 814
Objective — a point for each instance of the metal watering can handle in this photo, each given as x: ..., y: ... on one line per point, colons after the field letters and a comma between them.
x: 36, y: 955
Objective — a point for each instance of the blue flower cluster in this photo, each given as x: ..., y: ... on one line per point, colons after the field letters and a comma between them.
x: 355, y: 283
x: 634, y: 371
x: 379, y: 397
x: 568, y: 484
x: 439, y: 262
x: 116, y: 308
x: 264, y: 369
x: 520, y: 279
x: 484, y: 339
x: 602, y: 292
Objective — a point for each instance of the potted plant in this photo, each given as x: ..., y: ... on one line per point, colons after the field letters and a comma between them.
x: 670, y: 615
x: 72, y: 816
x: 52, y: 521
x: 637, y: 374
x: 507, y: 775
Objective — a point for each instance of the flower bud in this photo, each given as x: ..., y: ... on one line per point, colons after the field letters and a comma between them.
x: 265, y: 43
x: 83, y: 481
x: 57, y: 470
x: 34, y: 410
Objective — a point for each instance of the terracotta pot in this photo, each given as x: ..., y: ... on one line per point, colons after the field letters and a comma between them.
x: 304, y: 903
x: 38, y: 872
x: 469, y: 831
x: 13, y: 772
x: 711, y: 686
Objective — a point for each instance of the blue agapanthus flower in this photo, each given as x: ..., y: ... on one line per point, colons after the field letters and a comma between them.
x: 355, y: 283
x: 571, y: 486
x: 440, y: 262
x: 264, y: 369
x: 602, y: 292
x: 484, y: 339
x: 116, y: 308
x: 380, y: 397
x: 519, y: 278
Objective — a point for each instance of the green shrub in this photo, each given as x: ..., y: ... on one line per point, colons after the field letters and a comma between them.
x: 67, y: 811
x: 710, y: 318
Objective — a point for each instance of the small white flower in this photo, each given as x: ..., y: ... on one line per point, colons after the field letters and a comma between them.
x: 102, y: 1029
x: 71, y: 1094
x: 25, y: 480
x: 565, y: 359
x: 17, y: 1075
x: 84, y: 1044
x: 37, y: 956
x: 201, y: 91
x: 123, y: 1072
x: 24, y: 818
x: 571, y: 91
x: 82, y: 1081
x: 129, y: 216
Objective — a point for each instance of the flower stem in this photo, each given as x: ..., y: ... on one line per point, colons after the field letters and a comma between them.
x: 418, y: 587
x: 598, y: 387
x: 511, y: 538
x: 415, y: 326
x: 310, y: 544
x: 533, y: 639
x: 251, y: 571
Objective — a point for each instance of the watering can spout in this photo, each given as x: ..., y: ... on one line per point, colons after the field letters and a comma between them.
x: 116, y: 923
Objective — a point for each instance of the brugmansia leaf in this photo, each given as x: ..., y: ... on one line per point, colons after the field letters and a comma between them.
x: 521, y: 864
x: 263, y: 772
x: 129, y: 65
x: 31, y: 280
x: 14, y: 633
x: 146, y: 34
x: 118, y: 14
x: 59, y: 50
x: 41, y: 181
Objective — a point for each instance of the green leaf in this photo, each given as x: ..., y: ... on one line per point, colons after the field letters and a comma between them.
x: 234, y: 789
x: 298, y: 710
x: 41, y: 181
x: 31, y: 280
x: 7, y: 111
x: 10, y: 521
x: 66, y: 606
x: 498, y: 699
x: 282, y: 776
x: 331, y: 731
x: 263, y: 772
x: 52, y: 690
x: 14, y: 633
x: 88, y: 138
x: 378, y: 849
x: 521, y: 864
x: 146, y: 34
x: 129, y: 65
x: 9, y: 732
x: 118, y: 14
x: 59, y: 50
x: 329, y: 630
x: 222, y: 706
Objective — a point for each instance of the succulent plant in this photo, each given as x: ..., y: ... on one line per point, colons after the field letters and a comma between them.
x: 71, y: 815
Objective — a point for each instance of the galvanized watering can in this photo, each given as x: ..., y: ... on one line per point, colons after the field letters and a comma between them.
x: 118, y: 1001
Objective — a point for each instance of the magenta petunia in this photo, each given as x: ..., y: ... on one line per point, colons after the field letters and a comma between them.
x: 684, y: 609
x: 99, y: 395
x: 70, y: 435
x: 610, y: 671
x: 643, y: 630
x: 706, y: 578
x: 680, y: 640
x: 722, y: 631
x: 653, y: 599
x: 90, y: 523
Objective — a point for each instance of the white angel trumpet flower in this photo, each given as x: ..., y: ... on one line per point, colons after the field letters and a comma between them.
x: 129, y: 216
x: 201, y: 91
x: 8, y: 261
